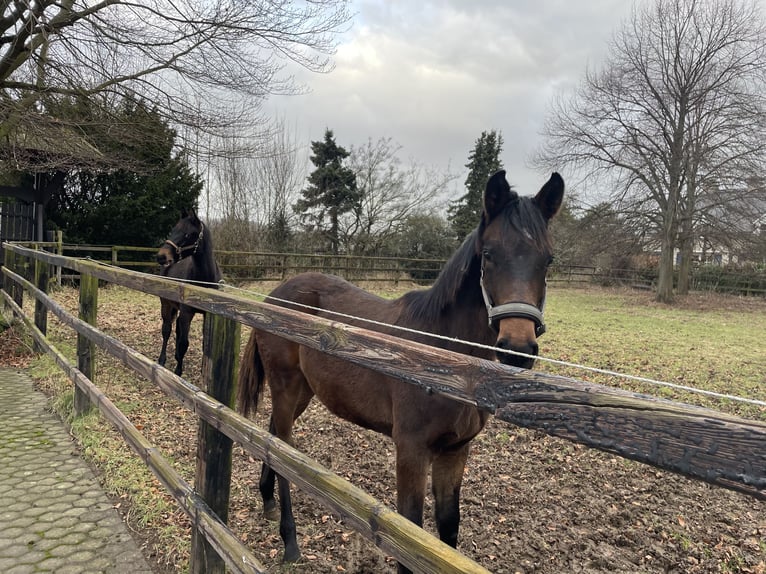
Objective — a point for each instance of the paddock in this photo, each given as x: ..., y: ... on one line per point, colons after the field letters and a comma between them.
x: 440, y: 370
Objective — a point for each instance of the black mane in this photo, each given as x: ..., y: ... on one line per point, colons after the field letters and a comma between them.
x: 206, y: 268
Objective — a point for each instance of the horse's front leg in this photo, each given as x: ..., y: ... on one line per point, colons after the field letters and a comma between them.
x: 168, y: 315
x: 446, y: 479
x: 411, y: 472
x: 182, y: 337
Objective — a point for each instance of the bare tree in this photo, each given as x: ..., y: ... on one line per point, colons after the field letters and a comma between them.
x: 252, y: 196
x: 675, y: 116
x: 391, y: 194
x: 207, y: 65
x: 281, y: 174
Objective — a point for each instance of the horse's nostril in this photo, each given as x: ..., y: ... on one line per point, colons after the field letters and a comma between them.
x: 513, y: 359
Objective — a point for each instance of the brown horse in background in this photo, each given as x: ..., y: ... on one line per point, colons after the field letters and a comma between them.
x: 491, y: 291
x: 187, y: 254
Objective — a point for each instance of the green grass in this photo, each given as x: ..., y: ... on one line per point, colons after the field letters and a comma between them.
x: 719, y: 349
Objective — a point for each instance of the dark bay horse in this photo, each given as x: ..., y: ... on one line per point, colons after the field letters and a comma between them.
x: 187, y: 254
x: 491, y: 291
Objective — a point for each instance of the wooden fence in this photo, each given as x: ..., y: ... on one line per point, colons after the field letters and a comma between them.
x: 269, y: 266
x: 718, y: 448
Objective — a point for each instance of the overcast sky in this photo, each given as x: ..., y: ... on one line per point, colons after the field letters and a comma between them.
x: 433, y: 75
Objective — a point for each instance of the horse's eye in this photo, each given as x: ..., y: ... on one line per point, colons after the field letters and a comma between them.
x: 486, y: 254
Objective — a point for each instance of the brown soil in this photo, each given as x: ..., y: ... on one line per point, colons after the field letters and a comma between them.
x: 530, y: 503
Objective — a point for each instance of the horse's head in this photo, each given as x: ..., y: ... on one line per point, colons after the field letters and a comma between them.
x: 185, y: 239
x: 515, y: 250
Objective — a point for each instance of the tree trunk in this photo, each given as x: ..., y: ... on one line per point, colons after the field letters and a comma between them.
x: 665, y: 277
x: 684, y: 268
x: 668, y: 244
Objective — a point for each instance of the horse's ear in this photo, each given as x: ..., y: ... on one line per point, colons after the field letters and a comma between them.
x: 550, y: 196
x: 497, y: 195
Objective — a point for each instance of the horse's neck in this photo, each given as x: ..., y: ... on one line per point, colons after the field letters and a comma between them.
x: 463, y: 316
x: 205, y: 268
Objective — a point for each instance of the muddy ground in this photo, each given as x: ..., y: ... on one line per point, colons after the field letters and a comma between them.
x: 530, y: 503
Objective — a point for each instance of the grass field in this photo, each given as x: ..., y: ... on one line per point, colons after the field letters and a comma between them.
x: 706, y: 341
x: 711, y: 342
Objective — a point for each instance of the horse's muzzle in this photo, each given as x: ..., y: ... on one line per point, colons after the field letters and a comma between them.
x: 164, y: 257
x: 522, y: 361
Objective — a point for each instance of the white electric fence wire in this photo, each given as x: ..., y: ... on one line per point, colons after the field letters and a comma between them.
x: 478, y: 345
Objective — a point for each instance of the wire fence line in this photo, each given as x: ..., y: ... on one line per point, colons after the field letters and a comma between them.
x: 577, y: 366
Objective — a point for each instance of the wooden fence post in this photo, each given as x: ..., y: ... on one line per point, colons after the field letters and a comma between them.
x: 86, y: 350
x: 60, y: 251
x: 17, y: 291
x: 220, y: 348
x: 41, y: 312
x: 7, y: 282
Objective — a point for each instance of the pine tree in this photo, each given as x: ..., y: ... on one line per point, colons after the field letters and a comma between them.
x: 123, y: 207
x: 483, y: 161
x: 331, y: 192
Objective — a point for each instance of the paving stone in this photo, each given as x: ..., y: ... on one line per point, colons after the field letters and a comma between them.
x: 54, y: 516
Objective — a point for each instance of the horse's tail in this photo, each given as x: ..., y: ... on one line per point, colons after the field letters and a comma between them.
x: 251, y: 377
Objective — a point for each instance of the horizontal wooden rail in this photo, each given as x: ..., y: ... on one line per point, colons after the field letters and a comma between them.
x: 712, y: 446
x: 390, y: 531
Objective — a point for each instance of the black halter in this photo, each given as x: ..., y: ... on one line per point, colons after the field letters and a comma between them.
x: 179, y: 250
x: 513, y: 309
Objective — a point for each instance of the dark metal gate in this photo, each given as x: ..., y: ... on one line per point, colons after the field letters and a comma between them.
x: 17, y: 221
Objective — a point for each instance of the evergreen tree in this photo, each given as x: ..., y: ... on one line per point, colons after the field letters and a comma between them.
x: 483, y: 161
x: 126, y: 207
x: 331, y: 192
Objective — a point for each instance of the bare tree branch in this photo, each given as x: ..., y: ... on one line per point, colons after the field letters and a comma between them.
x: 204, y: 65
x: 676, y: 116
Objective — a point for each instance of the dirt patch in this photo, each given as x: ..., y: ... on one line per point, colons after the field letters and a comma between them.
x: 530, y: 503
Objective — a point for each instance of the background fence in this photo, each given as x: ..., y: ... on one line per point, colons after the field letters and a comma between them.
x: 718, y: 448
x: 266, y: 266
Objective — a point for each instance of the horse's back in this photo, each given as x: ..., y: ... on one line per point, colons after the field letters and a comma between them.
x: 321, y: 294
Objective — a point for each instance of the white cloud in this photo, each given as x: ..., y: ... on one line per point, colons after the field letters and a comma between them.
x: 433, y: 75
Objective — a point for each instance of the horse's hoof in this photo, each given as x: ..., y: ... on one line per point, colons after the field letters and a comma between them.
x: 291, y: 555
x: 271, y: 513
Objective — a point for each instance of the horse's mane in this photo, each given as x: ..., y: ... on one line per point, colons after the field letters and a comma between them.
x: 460, y: 275
x: 208, y: 268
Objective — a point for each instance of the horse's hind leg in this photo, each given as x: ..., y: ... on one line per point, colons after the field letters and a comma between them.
x: 446, y: 479
x: 168, y: 315
x: 266, y: 485
x: 290, y: 395
x: 268, y: 476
